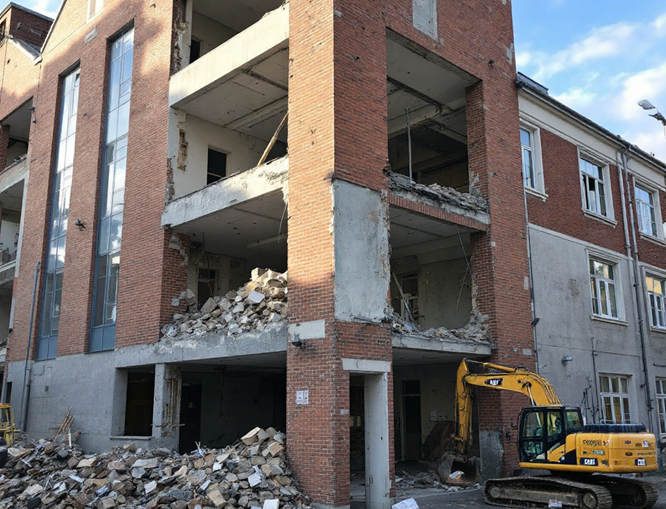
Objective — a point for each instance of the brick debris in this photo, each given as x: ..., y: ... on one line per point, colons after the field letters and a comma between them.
x: 250, y: 474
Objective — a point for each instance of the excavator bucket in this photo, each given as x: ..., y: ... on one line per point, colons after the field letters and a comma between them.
x: 458, y: 469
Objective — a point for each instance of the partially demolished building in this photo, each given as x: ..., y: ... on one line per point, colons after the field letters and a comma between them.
x: 319, y: 210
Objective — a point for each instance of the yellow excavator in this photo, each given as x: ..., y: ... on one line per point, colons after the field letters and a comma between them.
x: 553, y: 437
x: 7, y: 431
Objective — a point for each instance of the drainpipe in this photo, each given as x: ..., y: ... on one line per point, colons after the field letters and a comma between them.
x: 636, y: 276
x: 27, y: 371
x: 535, y: 320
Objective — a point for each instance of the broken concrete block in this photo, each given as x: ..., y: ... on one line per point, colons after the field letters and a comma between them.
x: 238, y: 308
x: 106, y: 503
x: 257, y: 273
x: 273, y: 449
x: 273, y: 503
x: 251, y: 436
x: 208, y: 306
x: 150, y: 487
x: 145, y: 463
x: 255, y: 297
x: 86, y: 462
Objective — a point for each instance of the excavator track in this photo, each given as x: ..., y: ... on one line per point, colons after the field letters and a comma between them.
x: 546, y: 492
x: 627, y: 493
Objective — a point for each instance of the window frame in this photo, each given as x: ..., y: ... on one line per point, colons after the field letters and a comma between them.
x: 657, y: 219
x: 94, y: 8
x: 539, y: 187
x: 604, y: 172
x: 614, y: 280
x: 624, y: 397
x: 660, y: 384
x: 657, y: 298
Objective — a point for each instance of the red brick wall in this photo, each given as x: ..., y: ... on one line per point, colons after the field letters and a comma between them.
x: 27, y: 27
x: 145, y: 244
x: 563, y: 210
x: 19, y: 76
x: 4, y: 145
x: 340, y: 130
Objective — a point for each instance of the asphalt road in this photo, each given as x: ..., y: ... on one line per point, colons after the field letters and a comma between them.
x: 471, y: 498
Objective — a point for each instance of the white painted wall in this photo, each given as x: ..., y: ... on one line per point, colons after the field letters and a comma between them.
x: 9, y: 236
x: 209, y: 32
x: 243, y: 152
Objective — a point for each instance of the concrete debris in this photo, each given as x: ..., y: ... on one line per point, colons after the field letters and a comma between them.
x: 250, y: 474
x: 473, y: 202
x: 260, y: 302
x: 475, y: 330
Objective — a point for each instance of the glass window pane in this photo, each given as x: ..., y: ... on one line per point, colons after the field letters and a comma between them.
x: 605, y: 384
x: 623, y: 382
x: 525, y: 138
x: 615, y: 386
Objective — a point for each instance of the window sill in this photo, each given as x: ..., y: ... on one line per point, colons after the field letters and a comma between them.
x: 615, y: 321
x: 132, y: 438
x: 603, y: 219
x: 536, y: 192
x: 657, y: 329
x: 653, y: 239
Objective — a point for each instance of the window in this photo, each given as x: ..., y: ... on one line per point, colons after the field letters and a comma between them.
x: 602, y: 288
x: 594, y: 187
x: 216, y: 166
x: 60, y: 193
x: 195, y: 50
x: 656, y: 288
x: 94, y: 6
x: 527, y: 145
x: 661, y: 405
x: 110, y: 221
x: 615, y: 399
x: 645, y: 209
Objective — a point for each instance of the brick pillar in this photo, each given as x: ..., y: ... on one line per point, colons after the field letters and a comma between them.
x: 338, y: 240
x: 4, y: 145
x: 500, y: 267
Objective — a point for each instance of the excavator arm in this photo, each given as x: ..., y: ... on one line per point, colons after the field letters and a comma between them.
x: 494, y: 376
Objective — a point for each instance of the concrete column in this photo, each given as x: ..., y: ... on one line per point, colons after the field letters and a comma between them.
x: 166, y: 404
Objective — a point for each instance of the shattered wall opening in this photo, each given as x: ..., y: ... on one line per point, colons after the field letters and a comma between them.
x: 435, y: 157
x: 431, y: 288
x: 220, y: 403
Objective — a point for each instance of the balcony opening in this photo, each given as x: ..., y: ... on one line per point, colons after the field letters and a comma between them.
x: 213, y: 22
x: 19, y: 123
x: 427, y: 121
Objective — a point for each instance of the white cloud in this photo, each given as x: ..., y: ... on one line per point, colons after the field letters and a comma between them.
x: 577, y: 98
x: 46, y: 7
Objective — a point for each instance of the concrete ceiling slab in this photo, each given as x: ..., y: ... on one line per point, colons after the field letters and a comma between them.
x: 410, y: 228
x: 236, y: 14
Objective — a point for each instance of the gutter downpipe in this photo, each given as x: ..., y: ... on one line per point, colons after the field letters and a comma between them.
x: 637, y: 281
x: 27, y: 371
x: 531, y: 272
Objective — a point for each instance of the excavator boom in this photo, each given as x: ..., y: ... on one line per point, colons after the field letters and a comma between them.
x: 494, y: 376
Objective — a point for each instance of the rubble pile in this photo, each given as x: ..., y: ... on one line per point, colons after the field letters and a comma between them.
x: 262, y: 301
x: 472, y: 201
x: 475, y: 330
x: 252, y: 473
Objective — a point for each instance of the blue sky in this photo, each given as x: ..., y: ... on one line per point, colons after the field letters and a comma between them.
x: 599, y: 57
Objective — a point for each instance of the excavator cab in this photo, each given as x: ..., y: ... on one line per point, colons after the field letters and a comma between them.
x: 545, y: 429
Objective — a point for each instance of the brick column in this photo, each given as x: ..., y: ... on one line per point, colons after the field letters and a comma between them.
x: 338, y: 237
x: 500, y: 267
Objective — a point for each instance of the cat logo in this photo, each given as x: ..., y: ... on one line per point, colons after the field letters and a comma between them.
x: 589, y: 462
x: 640, y: 462
x: 494, y: 382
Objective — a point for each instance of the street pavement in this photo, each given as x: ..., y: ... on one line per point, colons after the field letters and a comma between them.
x: 469, y: 498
